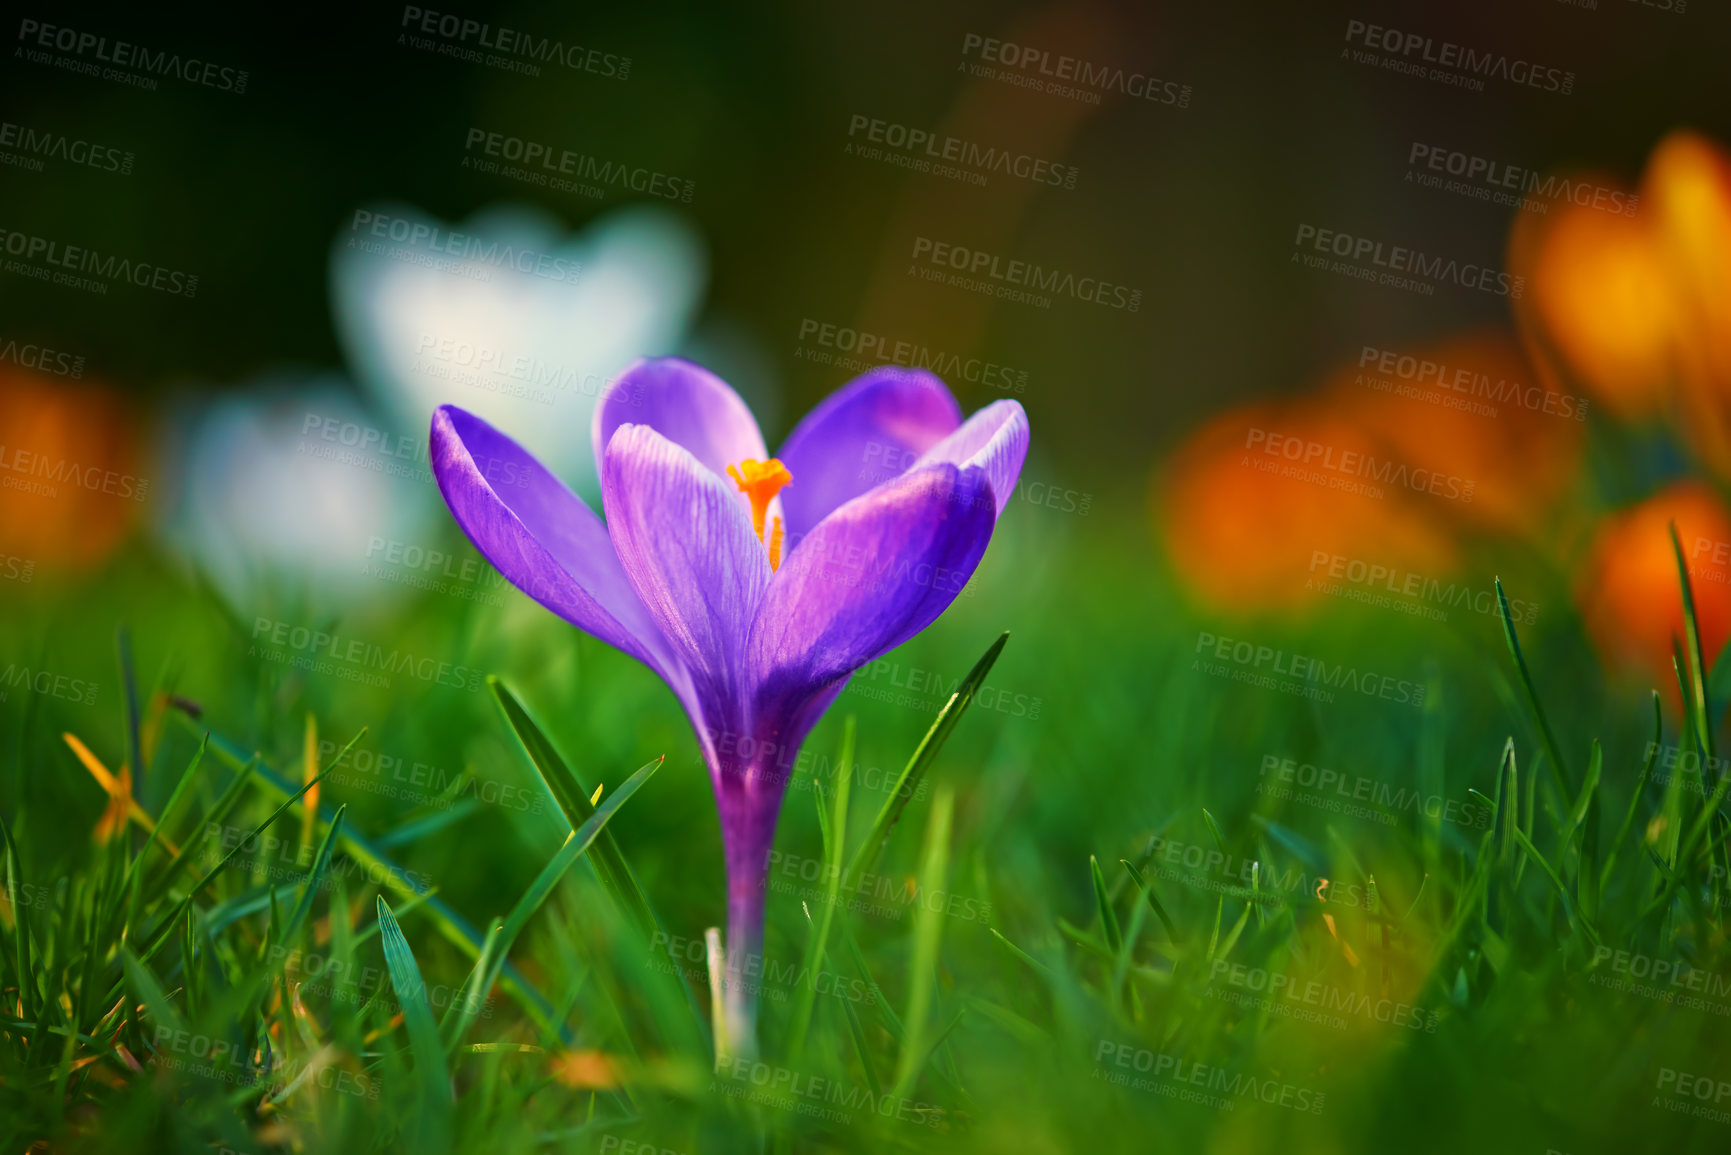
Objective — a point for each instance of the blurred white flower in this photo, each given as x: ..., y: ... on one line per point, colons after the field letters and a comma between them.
x: 510, y: 317
x: 282, y: 493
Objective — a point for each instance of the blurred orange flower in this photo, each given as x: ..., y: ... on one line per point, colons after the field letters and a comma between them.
x: 1687, y: 189
x: 69, y: 484
x: 1635, y: 306
x: 1388, y: 464
x: 1598, y: 312
x: 1249, y: 527
x: 1627, y: 586
x: 1471, y: 407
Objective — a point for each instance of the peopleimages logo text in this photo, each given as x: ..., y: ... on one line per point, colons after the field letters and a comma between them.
x: 1057, y: 73
x: 550, y: 159
x: 323, y: 647
x: 467, y: 247
x: 1488, y: 179
x: 123, y: 54
x: 1308, y: 670
x: 461, y: 32
x: 79, y: 259
x: 30, y: 355
x: 851, y: 348
x: 984, y: 158
x: 1419, y: 49
x: 1471, y: 382
x: 45, y: 144
x: 1013, y: 276
x: 1400, y: 259
x: 1354, y: 463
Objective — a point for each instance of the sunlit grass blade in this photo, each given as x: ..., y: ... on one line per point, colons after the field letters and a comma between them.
x: 573, y: 799
x: 498, y: 946
x: 928, y: 929
x: 1700, y: 718
x: 923, y: 756
x: 135, y: 871
x: 433, y: 1122
x: 309, y: 771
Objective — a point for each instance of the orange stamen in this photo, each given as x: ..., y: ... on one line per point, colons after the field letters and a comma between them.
x: 760, y: 481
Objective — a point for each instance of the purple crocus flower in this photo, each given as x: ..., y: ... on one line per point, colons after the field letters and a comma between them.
x: 754, y: 586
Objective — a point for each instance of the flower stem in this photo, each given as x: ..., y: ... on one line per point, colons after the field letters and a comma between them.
x: 747, y: 878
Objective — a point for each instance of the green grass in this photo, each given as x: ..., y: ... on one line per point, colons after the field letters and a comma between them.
x: 457, y: 950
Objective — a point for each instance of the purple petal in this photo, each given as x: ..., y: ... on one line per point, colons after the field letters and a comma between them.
x: 994, y: 439
x: 863, y: 434
x: 541, y: 536
x: 688, y: 549
x: 872, y: 574
x: 686, y: 404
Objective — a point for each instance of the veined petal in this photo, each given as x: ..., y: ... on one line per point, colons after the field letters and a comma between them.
x: 865, y: 433
x: 541, y: 536
x: 688, y: 405
x: 994, y: 439
x: 688, y: 549
x: 872, y: 574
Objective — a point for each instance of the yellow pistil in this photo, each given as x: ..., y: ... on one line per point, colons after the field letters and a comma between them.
x: 760, y: 481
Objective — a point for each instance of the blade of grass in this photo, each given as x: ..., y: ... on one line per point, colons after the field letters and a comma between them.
x: 928, y: 929
x: 1589, y: 794
x: 309, y: 771
x: 416, y: 829
x: 451, y: 925
x: 1587, y: 874
x: 1553, y: 752
x: 1575, y: 916
x: 923, y: 755
x: 817, y: 933
x: 167, y: 926
x: 433, y: 1120
x: 1154, y: 902
x: 573, y: 800
x: 135, y: 871
x: 1039, y: 966
x: 489, y: 963
x: 1701, y: 716
x: 1108, y: 919
x: 315, y: 877
x: 1635, y: 798
x: 216, y: 818
x: 28, y: 989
